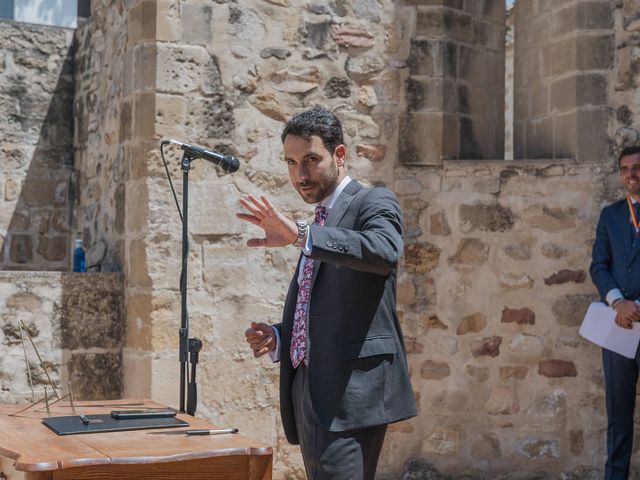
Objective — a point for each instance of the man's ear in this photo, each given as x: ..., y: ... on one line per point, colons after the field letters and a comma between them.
x: 340, y: 154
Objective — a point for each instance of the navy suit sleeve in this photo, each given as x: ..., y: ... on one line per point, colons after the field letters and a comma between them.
x: 374, y: 246
x: 601, y: 258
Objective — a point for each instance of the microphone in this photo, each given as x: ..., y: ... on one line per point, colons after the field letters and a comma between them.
x: 228, y: 163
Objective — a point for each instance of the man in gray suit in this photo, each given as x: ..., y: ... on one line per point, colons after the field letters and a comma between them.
x: 343, y: 367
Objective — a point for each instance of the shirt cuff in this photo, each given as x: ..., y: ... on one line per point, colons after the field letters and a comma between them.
x: 613, y: 295
x: 275, y: 353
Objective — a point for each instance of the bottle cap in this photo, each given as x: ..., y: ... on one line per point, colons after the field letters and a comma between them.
x: 78, y: 242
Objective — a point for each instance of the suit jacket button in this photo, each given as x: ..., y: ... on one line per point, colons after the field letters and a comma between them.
x: 346, y: 248
x: 340, y: 247
x: 328, y: 244
x: 334, y: 246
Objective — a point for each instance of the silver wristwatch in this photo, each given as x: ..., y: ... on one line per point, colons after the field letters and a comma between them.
x: 302, y: 231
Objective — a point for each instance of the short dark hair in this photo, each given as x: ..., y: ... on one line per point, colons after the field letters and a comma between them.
x: 318, y: 121
x: 628, y: 151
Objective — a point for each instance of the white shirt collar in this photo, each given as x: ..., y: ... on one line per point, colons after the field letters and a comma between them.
x: 331, y: 199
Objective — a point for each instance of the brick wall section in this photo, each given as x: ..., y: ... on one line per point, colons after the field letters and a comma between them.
x: 77, y: 324
x: 562, y: 66
x: 37, y: 186
x: 455, y: 88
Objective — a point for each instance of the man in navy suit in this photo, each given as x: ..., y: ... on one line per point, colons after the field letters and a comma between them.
x: 343, y: 367
x: 615, y: 270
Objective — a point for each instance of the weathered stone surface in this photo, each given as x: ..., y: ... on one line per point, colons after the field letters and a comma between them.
x: 268, y: 105
x: 432, y: 321
x: 367, y: 96
x: 550, y: 219
x: 362, y: 125
x: 518, y: 251
x: 538, y: 448
x: 248, y: 30
x: 85, y: 368
x: 196, y: 23
x: 420, y: 469
x: 489, y: 346
x: 91, y: 312
x: 439, y: 225
x: 352, y: 36
x: 470, y: 251
x: 20, y: 249
x: 518, y: 372
x: 421, y: 257
x: 432, y: 370
x: 565, y: 276
x: 576, y: 442
x: 338, y: 87
x: 328, y: 8
x: 490, y: 218
x: 548, y: 405
x: 551, y: 250
x: 374, y: 152
x: 557, y: 368
x: 515, y: 281
x: 503, y: 401
x: 486, y: 447
x: 479, y: 374
x: 412, y: 345
x: 451, y: 402
x: 364, y: 66
x: 569, y: 310
x: 473, y: 323
x: 521, y: 316
x: 279, y: 53
x: 442, y: 441
x: 527, y: 344
x: 53, y: 248
x: 296, y: 79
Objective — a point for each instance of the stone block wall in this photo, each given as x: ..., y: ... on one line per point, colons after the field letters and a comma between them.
x: 563, y: 63
x: 76, y: 322
x: 455, y: 87
x: 104, y: 115
x: 37, y: 186
x: 494, y: 279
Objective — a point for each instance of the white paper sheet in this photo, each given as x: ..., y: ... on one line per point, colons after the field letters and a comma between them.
x: 599, y: 326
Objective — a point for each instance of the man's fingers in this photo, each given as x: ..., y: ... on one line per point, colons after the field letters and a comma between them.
x: 252, y: 207
x: 248, y: 218
x: 267, y: 204
x: 257, y: 242
x: 259, y: 206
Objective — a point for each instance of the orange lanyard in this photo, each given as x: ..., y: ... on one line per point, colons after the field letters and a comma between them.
x: 632, y: 212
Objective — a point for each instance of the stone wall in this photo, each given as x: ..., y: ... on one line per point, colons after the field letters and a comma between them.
x: 455, y: 85
x: 76, y: 322
x: 37, y: 188
x: 103, y: 76
x: 563, y: 62
x: 494, y: 280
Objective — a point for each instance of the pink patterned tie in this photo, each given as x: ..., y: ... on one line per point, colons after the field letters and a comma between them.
x: 299, y: 334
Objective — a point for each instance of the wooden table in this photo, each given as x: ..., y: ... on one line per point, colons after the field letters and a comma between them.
x: 136, y: 454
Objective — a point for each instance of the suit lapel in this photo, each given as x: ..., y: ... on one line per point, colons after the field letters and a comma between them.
x: 624, y: 226
x: 342, y: 203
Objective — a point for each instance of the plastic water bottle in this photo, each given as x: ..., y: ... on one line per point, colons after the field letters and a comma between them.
x: 78, y: 257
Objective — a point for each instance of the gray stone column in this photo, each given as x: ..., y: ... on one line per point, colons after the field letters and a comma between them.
x: 455, y: 89
x: 563, y: 54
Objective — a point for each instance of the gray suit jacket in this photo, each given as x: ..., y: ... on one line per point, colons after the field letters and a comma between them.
x: 358, y: 375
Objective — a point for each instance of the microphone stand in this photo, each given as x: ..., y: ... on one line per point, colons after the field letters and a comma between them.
x: 187, y: 344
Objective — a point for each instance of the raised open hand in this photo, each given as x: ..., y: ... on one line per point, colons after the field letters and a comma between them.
x: 279, y: 230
